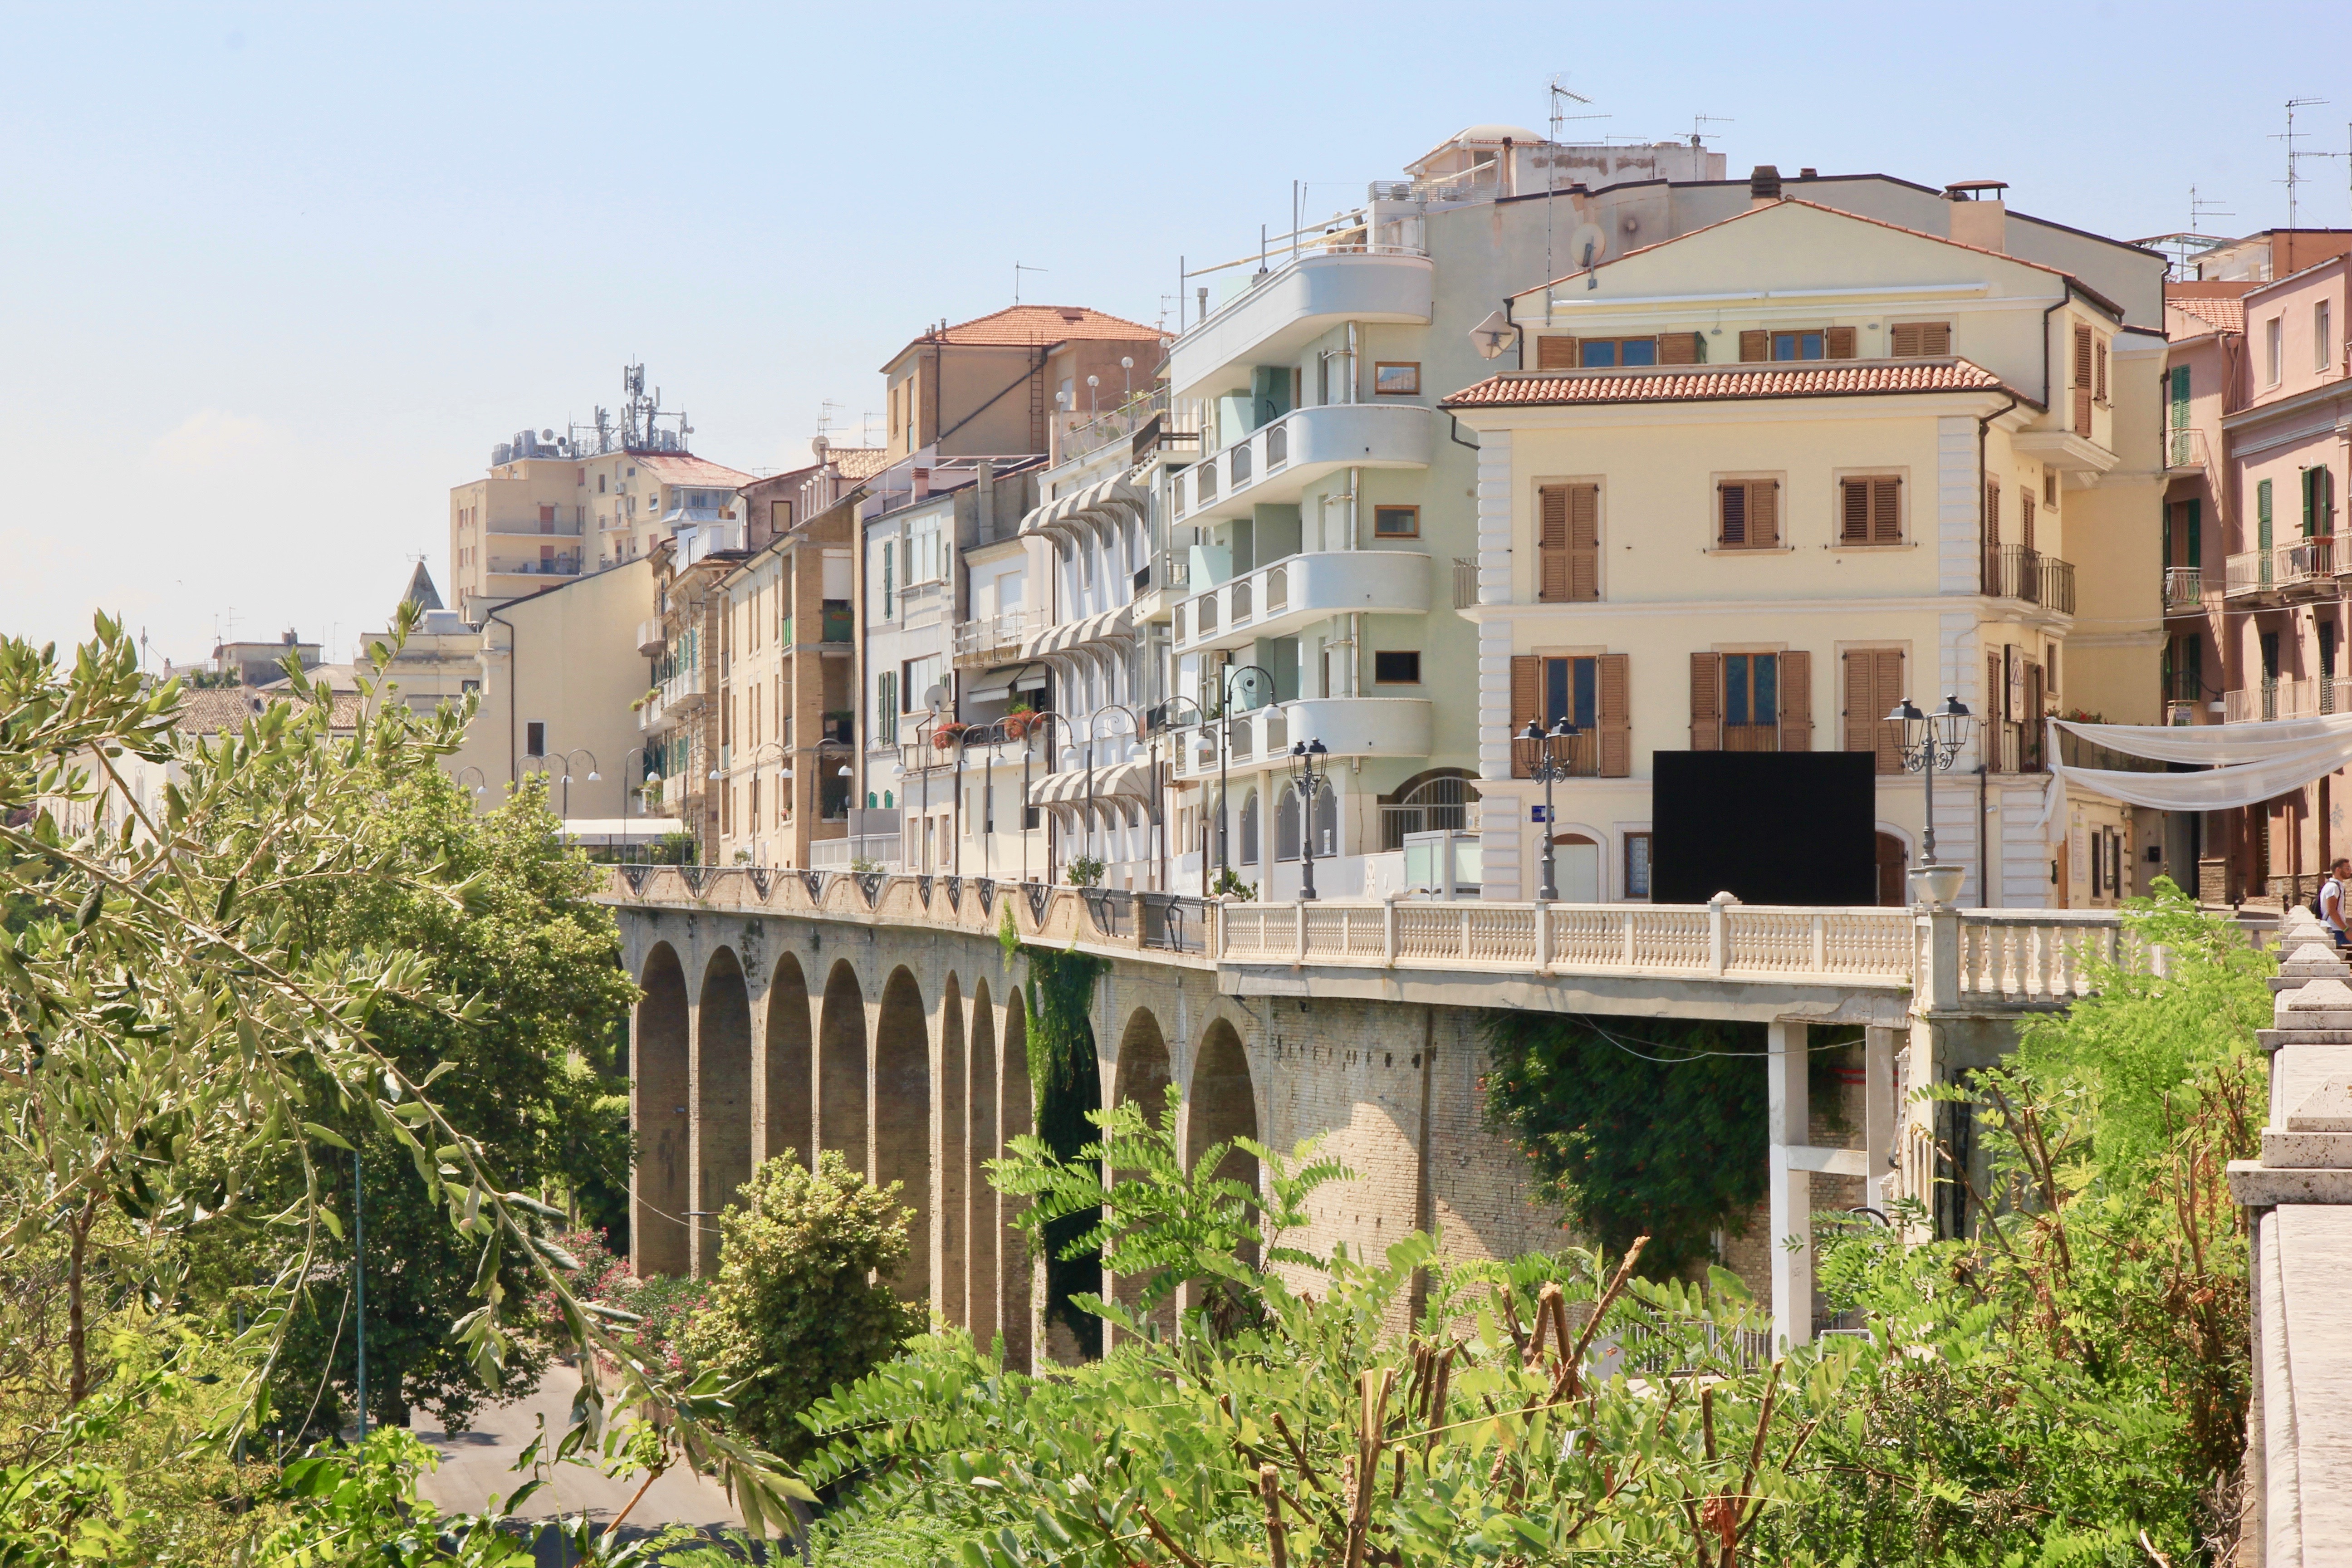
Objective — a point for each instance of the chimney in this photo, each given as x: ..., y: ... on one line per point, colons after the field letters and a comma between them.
x: 1764, y: 185
x: 1509, y: 183
x: 983, y: 486
x: 1979, y: 215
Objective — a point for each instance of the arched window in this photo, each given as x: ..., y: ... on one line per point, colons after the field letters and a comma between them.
x: 1285, y: 825
x: 1287, y: 822
x: 1249, y: 828
x: 888, y: 803
x: 1433, y: 801
x: 1327, y: 823
x: 869, y: 800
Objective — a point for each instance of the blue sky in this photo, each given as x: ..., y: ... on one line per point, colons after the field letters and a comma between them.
x: 273, y: 277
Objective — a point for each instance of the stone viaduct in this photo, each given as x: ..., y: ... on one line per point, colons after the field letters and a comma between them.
x: 879, y: 1016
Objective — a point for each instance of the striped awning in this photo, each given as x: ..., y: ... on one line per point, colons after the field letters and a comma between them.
x: 1130, y: 781
x: 1116, y: 624
x: 1080, y: 511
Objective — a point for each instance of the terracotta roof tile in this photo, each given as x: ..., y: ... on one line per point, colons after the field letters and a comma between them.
x: 1034, y: 326
x: 859, y: 462
x: 1699, y: 383
x: 210, y: 711
x: 679, y: 468
x: 2228, y: 315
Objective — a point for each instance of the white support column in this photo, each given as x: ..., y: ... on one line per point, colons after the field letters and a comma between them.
x: 1788, y: 1117
x: 1880, y: 1096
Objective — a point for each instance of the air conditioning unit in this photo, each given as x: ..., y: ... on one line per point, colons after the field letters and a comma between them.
x: 1392, y: 190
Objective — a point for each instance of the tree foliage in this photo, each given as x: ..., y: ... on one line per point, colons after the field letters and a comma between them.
x: 804, y: 1302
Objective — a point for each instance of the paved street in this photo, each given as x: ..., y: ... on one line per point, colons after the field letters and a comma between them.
x: 476, y: 1464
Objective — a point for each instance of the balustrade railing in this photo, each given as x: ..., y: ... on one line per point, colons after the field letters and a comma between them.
x: 2184, y: 588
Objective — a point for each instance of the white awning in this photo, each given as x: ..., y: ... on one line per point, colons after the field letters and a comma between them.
x: 999, y: 683
x: 1078, y: 511
x: 1116, y: 624
x: 606, y: 832
x: 1129, y: 781
x: 2244, y: 764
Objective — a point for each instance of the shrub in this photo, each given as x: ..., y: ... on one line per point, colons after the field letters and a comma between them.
x: 791, y: 1314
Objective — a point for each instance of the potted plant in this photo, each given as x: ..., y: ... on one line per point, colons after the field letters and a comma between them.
x: 944, y: 737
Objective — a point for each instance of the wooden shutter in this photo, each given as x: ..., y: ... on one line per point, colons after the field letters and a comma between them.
x: 1615, y: 716
x: 1584, y: 543
x: 1755, y: 346
x: 1839, y: 343
x: 1902, y: 340
x: 2025, y: 517
x: 1992, y: 514
x: 1706, y: 702
x: 1678, y: 348
x: 1797, y: 700
x: 1555, y: 352
x: 1874, y: 684
x: 1764, y: 513
x: 2101, y: 387
x: 1526, y: 703
x: 1935, y: 339
x: 1919, y: 340
x: 1731, y: 510
x: 1887, y: 510
x: 1551, y: 543
x: 1853, y: 512
x: 1993, y: 757
x: 2082, y: 380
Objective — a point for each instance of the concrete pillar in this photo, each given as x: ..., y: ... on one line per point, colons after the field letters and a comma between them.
x: 1881, y: 1099
x: 1787, y: 1115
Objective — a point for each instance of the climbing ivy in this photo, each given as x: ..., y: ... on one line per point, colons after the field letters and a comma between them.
x: 1652, y: 1127
x: 1066, y: 1083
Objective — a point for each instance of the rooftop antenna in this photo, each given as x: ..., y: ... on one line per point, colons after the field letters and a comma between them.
x: 1017, y: 270
x: 866, y: 422
x: 1699, y: 120
x: 2201, y: 208
x: 826, y: 412
x: 1560, y: 116
x: 2292, y: 177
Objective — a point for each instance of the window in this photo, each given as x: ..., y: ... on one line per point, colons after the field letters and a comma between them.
x: 1397, y: 378
x: 2050, y: 489
x: 2271, y: 350
x: 2318, y: 502
x: 1249, y: 834
x: 1589, y: 692
x: 1919, y: 340
x: 886, y: 707
x: 1567, y: 543
x: 1396, y: 523
x: 1747, y: 514
x: 1637, y: 866
x: 1752, y: 701
x: 1870, y: 509
x: 1556, y: 353
x: 534, y: 739
x: 1603, y: 351
x: 2322, y: 351
x: 916, y: 678
x: 1799, y: 346
x: 1399, y: 669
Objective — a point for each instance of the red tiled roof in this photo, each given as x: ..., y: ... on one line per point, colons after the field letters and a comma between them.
x: 1036, y: 326
x: 1699, y: 383
x: 859, y: 462
x: 678, y: 468
x: 209, y: 711
x: 2228, y: 315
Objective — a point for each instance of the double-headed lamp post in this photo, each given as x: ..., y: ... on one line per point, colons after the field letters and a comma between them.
x: 1550, y: 756
x: 1310, y: 772
x: 1930, y: 743
x: 592, y: 774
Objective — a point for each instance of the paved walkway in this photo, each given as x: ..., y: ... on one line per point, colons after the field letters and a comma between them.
x: 476, y: 1464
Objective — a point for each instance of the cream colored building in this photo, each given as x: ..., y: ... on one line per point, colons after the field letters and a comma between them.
x: 1850, y: 463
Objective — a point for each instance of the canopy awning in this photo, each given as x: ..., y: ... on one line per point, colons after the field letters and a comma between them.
x: 2240, y: 764
x: 1083, y: 509
x: 608, y: 832
x: 999, y: 683
x: 1129, y: 781
x: 1109, y: 624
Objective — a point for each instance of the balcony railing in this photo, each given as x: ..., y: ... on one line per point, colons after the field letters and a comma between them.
x: 2300, y: 566
x: 988, y: 636
x: 1298, y: 589
x: 2287, y: 699
x: 526, y: 528
x: 2188, y: 449
x: 2184, y: 589
x: 1465, y: 583
x: 1348, y: 727
x: 2014, y: 571
x: 558, y: 566
x: 1304, y: 442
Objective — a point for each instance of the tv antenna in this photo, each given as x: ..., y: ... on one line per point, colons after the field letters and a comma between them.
x: 1560, y: 115
x: 1017, y: 270
x: 1699, y: 120
x: 826, y: 412
x: 2201, y: 208
x: 2294, y: 176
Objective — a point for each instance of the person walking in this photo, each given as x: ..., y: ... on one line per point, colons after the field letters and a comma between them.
x: 2331, y: 896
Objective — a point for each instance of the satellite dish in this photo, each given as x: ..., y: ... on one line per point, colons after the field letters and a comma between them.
x: 1588, y: 246
x: 935, y: 697
x: 1494, y: 336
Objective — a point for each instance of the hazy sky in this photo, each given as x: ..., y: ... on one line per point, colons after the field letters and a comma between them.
x: 273, y: 277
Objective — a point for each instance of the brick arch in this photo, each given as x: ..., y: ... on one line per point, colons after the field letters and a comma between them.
x: 840, y: 1069
x: 661, y: 1190
x: 789, y: 1067
x: 952, y: 1223
x: 1222, y: 1104
x: 980, y: 1145
x: 902, y: 1119
x: 723, y: 1099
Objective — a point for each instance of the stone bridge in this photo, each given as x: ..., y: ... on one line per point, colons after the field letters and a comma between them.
x: 879, y: 1016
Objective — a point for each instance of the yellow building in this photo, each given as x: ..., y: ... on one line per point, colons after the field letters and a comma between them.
x: 1765, y: 479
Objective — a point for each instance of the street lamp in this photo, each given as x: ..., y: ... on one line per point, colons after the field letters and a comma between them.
x: 1159, y: 809
x: 592, y: 774
x: 1548, y: 756
x: 1134, y: 728
x: 1930, y: 743
x: 483, y: 779
x: 1309, y: 774
x: 1224, y: 752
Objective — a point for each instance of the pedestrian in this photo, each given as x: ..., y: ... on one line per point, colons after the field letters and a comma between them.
x: 2331, y: 896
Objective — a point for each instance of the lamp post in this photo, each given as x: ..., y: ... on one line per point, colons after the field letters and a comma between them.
x: 592, y: 774
x: 1224, y: 753
x: 1309, y: 773
x: 1550, y: 756
x: 1930, y: 743
x: 1037, y: 725
x: 1134, y: 728
x: 1159, y: 794
x: 481, y: 779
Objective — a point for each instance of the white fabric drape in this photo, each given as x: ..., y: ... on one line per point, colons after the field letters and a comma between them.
x: 2244, y: 764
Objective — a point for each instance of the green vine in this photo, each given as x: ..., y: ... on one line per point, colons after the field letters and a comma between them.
x: 1067, y: 1085
x: 1654, y: 1126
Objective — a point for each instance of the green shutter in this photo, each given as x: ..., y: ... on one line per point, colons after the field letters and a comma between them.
x: 2262, y: 515
x: 2180, y: 397
x: 2196, y: 534
x: 2165, y: 554
x: 2310, y: 503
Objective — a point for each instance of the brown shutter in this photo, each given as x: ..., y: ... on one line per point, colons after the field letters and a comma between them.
x: 1853, y: 512
x: 1731, y: 504
x: 1754, y: 346
x: 1555, y: 352
x: 1887, y: 677
x: 1797, y: 700
x: 2101, y: 386
x: 1706, y: 702
x: 1936, y: 338
x: 1992, y: 514
x: 1839, y: 344
x: 1551, y: 543
x: 2082, y: 380
x: 1902, y: 340
x: 1527, y: 703
x: 1886, y: 510
x: 1993, y: 691
x: 1874, y: 684
x: 1860, y: 692
x: 1615, y: 716
x: 2025, y: 517
x: 1678, y: 348
x: 1764, y: 513
x: 1584, y: 543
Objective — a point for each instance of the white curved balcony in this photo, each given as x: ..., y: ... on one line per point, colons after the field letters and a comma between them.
x: 1348, y: 727
x: 1278, y: 315
x: 1298, y: 589
x: 1277, y: 461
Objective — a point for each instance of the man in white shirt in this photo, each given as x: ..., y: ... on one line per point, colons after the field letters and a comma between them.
x: 2331, y: 896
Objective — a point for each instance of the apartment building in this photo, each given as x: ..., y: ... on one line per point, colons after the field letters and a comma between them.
x: 998, y: 383
x: 1327, y: 552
